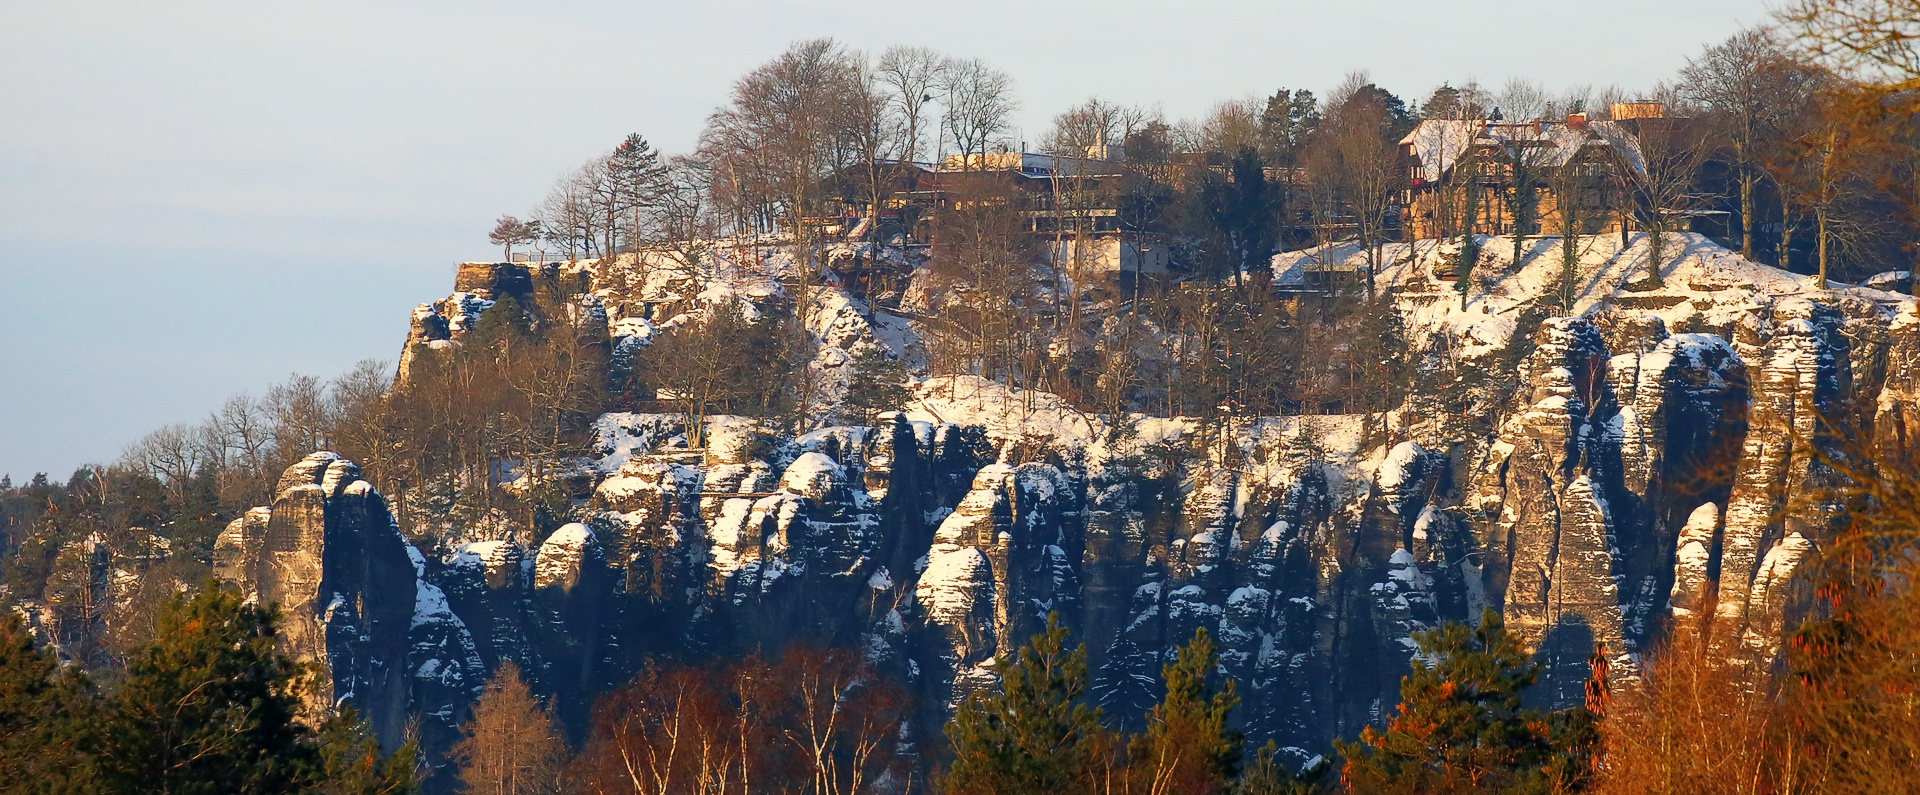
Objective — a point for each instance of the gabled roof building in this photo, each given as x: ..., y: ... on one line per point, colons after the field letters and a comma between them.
x: 1460, y: 172
x: 1069, y: 207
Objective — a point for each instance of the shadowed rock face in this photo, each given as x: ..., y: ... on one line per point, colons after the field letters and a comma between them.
x: 1612, y: 469
x: 328, y: 553
x: 1555, y: 527
x: 1633, y: 473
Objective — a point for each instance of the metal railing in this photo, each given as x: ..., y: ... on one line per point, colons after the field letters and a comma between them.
x: 537, y: 257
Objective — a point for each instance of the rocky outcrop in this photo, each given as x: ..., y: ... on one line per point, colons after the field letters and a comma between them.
x: 1896, y: 421
x: 437, y: 326
x: 236, y: 551
x: 330, y: 556
x: 1552, y: 550
x: 1801, y: 392
x: 549, y: 296
x: 1657, y: 457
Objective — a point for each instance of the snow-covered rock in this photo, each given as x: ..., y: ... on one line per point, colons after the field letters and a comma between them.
x: 1627, y: 448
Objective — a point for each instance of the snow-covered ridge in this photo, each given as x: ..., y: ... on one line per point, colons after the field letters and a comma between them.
x: 1311, y: 546
x: 1705, y: 287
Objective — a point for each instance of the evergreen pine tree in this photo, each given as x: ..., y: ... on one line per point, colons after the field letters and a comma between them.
x: 1460, y: 726
x: 637, y: 175
x: 1443, y: 103
x: 878, y: 385
x: 45, y: 715
x: 1037, y: 736
x: 1240, y: 217
x: 1386, y: 369
x: 1125, y: 685
x: 209, y: 706
x: 1188, y: 749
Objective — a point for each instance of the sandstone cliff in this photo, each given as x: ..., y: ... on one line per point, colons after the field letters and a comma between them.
x: 1643, y: 454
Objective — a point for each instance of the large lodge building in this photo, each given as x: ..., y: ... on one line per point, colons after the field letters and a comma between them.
x: 1069, y: 206
x: 1072, y: 208
x: 1448, y: 159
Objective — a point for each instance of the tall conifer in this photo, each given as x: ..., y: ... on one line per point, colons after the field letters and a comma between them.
x: 1188, y: 748
x: 210, y: 706
x: 1461, y: 727
x: 1037, y: 735
x: 511, y: 746
x: 877, y: 386
x: 44, y: 717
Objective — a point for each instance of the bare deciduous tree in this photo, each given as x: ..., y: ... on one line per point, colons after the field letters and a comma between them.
x: 511, y: 745
x: 911, y: 76
x: 567, y: 216
x: 301, y: 416
x: 1355, y: 164
x: 1093, y: 130
x: 719, y: 360
x: 983, y: 251
x: 776, y: 144
x: 1673, y: 150
x: 778, y: 131
x: 1873, y: 40
x: 1524, y: 158
x: 815, y: 721
x: 843, y: 723
x: 1522, y: 100
x: 1231, y: 126
x: 1695, y: 723
x: 361, y: 418
x: 1731, y: 81
x: 1577, y: 182
x: 173, y: 454
x: 873, y: 132
x: 555, y: 377
x: 241, y: 435
x: 980, y: 106
x: 683, y: 220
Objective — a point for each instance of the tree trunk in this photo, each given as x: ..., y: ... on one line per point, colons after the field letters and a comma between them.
x: 1656, y: 250
x: 1622, y: 202
x: 1820, y: 243
x: 1785, y: 254
x: 1822, y: 211
x: 1747, y: 180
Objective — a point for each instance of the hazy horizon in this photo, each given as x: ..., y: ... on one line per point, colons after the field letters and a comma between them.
x: 197, y: 200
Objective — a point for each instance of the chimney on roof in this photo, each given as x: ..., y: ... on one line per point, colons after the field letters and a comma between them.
x: 1101, y: 150
x: 1576, y: 121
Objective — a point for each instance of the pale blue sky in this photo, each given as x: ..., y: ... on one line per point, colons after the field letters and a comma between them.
x: 198, y: 198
